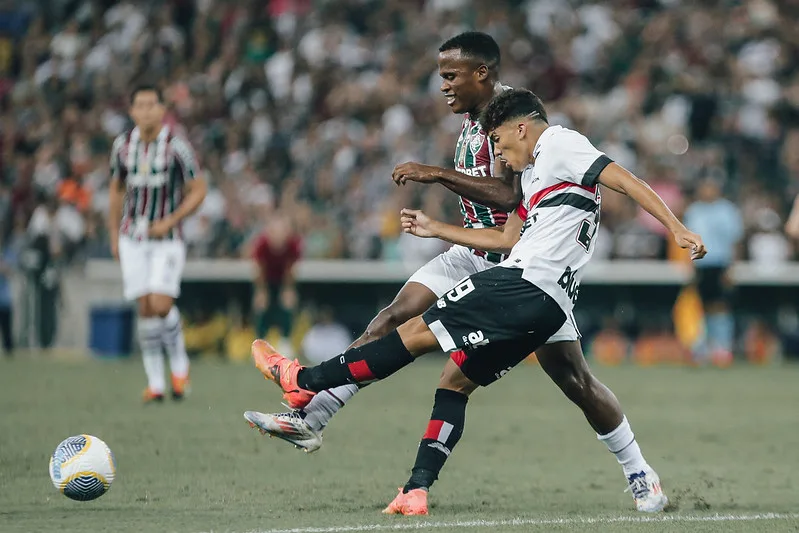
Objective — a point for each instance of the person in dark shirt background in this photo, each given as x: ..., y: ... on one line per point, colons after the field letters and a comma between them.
x: 276, y: 252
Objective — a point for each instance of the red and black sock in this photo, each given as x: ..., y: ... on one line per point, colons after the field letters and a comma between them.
x: 443, y: 432
x: 363, y: 365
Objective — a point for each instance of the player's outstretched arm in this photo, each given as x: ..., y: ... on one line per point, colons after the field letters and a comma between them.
x: 622, y: 180
x: 501, y: 192
x: 500, y: 239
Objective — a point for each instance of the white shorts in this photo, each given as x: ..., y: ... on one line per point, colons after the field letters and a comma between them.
x: 151, y: 267
x: 446, y: 270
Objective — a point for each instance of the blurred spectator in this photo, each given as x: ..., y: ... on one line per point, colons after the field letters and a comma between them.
x: 328, y: 96
x: 719, y: 222
x: 275, y: 253
x: 325, y: 337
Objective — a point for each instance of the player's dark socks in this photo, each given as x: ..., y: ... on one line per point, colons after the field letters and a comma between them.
x: 365, y: 364
x: 443, y: 432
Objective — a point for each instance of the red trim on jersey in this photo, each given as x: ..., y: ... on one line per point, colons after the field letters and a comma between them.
x: 360, y: 371
x: 537, y: 197
x: 433, y: 429
x: 522, y: 210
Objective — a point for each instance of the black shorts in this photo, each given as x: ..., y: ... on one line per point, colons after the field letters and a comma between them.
x: 498, y: 318
x: 711, y: 284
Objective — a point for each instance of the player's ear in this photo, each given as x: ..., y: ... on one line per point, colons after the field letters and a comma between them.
x: 482, y: 73
x: 521, y: 130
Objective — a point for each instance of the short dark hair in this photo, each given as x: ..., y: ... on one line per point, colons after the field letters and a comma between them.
x: 476, y: 45
x: 146, y: 88
x: 515, y: 103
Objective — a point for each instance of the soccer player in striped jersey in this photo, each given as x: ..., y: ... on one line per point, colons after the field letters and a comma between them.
x: 498, y: 316
x: 155, y: 184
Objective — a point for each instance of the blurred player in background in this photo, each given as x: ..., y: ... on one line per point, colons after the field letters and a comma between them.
x: 154, y: 186
x: 275, y: 253
x: 720, y: 223
x: 469, y: 68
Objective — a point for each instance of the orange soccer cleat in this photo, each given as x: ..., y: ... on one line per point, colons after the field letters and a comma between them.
x: 180, y: 387
x: 150, y: 396
x: 282, y: 371
x: 413, y: 502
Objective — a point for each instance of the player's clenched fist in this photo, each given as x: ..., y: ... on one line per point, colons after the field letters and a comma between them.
x: 689, y: 239
x: 413, y: 172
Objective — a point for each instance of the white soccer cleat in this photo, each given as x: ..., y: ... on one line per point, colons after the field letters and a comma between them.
x: 288, y: 426
x: 646, y: 491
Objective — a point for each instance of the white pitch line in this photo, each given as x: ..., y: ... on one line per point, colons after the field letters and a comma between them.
x: 426, y: 525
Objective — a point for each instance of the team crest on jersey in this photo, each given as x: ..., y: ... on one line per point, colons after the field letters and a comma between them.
x: 477, y: 142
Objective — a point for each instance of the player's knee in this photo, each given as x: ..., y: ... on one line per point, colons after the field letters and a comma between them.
x: 396, y: 314
x: 452, y: 378
x: 143, y: 305
x: 160, y: 306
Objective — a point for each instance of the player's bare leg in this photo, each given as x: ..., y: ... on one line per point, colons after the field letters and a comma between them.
x: 565, y: 364
x: 412, y: 300
x: 163, y: 306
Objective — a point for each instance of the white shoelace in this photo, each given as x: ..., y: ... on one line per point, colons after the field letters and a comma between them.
x: 638, y: 487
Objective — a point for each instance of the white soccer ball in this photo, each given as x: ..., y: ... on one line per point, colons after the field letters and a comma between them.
x: 82, y: 468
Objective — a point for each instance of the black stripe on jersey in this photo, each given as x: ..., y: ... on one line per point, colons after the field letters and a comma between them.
x: 592, y: 174
x: 570, y: 199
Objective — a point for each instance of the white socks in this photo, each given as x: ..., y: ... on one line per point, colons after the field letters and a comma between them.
x: 149, y: 332
x: 621, y: 443
x: 174, y: 344
x: 154, y: 334
x: 327, y: 403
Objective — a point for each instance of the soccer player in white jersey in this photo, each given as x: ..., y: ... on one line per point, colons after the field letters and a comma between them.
x: 508, y: 311
x: 154, y: 186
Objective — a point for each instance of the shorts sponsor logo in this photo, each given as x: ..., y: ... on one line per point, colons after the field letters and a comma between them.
x: 475, y: 338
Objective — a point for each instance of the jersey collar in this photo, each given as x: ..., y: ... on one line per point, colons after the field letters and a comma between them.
x: 545, y: 135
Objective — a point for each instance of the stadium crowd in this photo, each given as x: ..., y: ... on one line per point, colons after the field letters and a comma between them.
x: 305, y: 107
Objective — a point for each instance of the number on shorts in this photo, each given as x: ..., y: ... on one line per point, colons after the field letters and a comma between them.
x: 462, y: 289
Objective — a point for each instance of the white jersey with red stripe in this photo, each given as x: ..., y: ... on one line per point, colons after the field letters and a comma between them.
x: 561, y: 213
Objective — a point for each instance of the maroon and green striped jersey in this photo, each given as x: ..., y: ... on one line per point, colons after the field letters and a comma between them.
x: 154, y: 175
x: 474, y: 155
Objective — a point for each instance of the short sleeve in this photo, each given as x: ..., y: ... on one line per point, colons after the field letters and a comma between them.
x: 576, y: 159
x: 185, y: 158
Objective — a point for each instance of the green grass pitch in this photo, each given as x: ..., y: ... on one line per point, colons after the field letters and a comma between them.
x: 725, y: 442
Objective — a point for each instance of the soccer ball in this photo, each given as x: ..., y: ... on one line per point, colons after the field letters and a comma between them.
x: 82, y: 468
